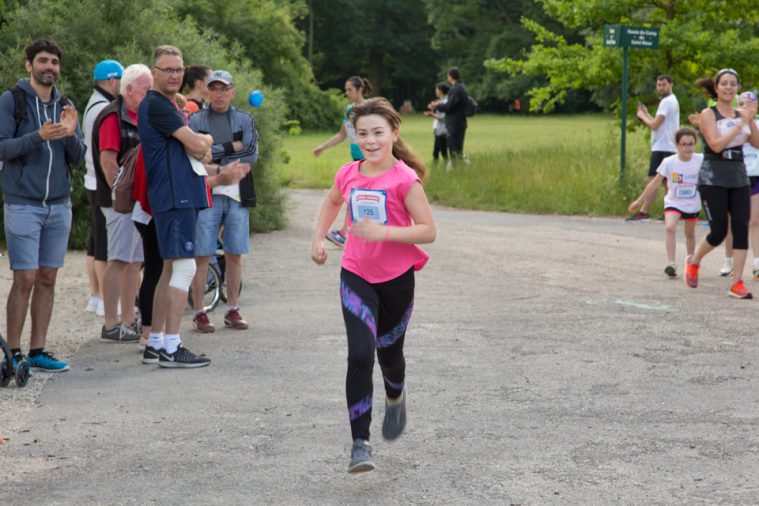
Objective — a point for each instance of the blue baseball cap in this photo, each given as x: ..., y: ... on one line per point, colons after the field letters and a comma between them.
x: 107, y: 69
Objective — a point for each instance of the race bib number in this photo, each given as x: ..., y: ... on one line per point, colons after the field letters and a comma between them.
x: 369, y: 204
x: 685, y: 191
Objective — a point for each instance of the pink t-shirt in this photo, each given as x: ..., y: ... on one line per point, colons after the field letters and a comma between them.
x: 379, y: 198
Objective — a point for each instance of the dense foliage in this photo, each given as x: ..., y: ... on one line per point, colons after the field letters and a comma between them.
x: 697, y: 38
x: 90, y: 30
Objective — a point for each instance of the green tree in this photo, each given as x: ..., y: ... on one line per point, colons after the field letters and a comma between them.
x: 697, y: 37
x: 90, y: 30
x: 265, y: 32
x: 387, y: 41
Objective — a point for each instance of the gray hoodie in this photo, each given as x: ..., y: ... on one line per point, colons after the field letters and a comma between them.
x: 36, y: 172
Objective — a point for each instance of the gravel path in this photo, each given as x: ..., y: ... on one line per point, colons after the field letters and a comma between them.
x: 549, y: 362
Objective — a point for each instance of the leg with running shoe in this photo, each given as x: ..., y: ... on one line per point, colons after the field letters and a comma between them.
x: 740, y: 209
x: 175, y: 230
x: 360, y: 304
x: 236, y: 237
x: 36, y: 240
x: 670, y: 241
x: 722, y: 205
x: 753, y: 227
x: 396, y: 298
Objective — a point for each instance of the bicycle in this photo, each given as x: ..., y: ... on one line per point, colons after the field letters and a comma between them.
x: 216, y: 282
x: 19, y: 372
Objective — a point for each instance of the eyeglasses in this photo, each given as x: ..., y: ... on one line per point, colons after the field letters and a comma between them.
x: 219, y: 90
x: 170, y: 71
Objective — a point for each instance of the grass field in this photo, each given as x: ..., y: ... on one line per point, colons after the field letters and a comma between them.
x: 553, y: 164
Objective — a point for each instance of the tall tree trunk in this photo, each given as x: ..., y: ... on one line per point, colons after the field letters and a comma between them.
x: 311, y: 33
x: 376, y: 73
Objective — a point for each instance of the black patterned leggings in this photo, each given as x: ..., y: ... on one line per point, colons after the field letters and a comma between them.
x: 376, y: 316
x: 719, y: 203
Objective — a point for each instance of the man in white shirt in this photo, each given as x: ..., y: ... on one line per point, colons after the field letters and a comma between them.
x: 663, y: 127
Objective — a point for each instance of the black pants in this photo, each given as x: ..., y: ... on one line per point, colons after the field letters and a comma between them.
x: 152, y: 271
x: 441, y: 147
x: 376, y: 316
x: 719, y: 202
x: 456, y: 141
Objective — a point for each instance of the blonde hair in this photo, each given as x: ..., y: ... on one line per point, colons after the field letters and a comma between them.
x: 402, y: 151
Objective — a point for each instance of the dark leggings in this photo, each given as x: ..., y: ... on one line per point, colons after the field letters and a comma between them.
x: 152, y: 271
x: 719, y: 202
x: 440, y: 147
x: 376, y: 316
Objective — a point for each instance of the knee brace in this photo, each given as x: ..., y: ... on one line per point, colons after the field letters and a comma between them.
x: 182, y: 272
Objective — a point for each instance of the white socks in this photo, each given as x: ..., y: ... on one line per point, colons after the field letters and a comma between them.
x: 155, y: 340
x: 171, y: 342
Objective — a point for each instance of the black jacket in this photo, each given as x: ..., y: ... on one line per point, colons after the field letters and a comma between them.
x: 455, y: 106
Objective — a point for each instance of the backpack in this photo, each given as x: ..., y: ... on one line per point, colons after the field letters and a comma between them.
x: 19, y: 104
x: 470, y: 108
x: 121, y: 192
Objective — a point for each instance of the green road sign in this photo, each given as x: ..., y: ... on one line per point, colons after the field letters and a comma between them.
x: 626, y: 37
x: 646, y: 38
x: 613, y: 35
x: 631, y: 36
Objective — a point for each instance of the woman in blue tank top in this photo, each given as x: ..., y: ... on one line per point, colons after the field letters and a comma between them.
x: 356, y: 90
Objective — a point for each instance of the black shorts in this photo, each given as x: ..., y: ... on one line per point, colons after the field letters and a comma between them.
x: 684, y: 216
x: 98, y: 243
x: 656, y: 158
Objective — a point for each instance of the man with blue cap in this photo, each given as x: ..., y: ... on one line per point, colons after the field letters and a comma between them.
x: 107, y: 76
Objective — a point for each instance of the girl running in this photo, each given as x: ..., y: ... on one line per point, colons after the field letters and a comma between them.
x: 682, y: 199
x: 356, y: 90
x: 388, y: 215
x: 723, y: 183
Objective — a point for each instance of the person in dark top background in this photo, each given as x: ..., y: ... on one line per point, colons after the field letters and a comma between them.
x: 454, y: 109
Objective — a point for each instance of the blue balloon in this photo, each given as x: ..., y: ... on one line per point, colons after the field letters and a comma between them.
x: 256, y: 98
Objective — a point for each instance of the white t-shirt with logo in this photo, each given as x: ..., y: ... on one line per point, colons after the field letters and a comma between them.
x: 663, y: 138
x: 751, y: 157
x: 682, y: 183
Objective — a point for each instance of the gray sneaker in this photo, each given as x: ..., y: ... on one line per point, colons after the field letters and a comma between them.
x: 395, y: 418
x: 361, y: 457
x: 120, y: 334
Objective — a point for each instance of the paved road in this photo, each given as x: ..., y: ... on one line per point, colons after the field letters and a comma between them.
x: 549, y: 362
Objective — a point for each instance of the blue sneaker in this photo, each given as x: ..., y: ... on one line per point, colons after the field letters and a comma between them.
x: 45, y: 361
x: 336, y: 237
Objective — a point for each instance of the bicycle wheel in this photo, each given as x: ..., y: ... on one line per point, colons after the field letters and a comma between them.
x: 212, y: 293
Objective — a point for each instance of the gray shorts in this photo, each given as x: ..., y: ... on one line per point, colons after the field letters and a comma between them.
x: 124, y: 242
x: 37, y: 236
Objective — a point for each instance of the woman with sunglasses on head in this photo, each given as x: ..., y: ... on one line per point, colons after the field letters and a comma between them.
x: 723, y: 183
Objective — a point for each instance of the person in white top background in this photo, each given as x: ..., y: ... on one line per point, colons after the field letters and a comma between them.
x: 663, y: 126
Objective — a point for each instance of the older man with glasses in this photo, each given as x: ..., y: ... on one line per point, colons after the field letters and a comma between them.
x: 235, y: 143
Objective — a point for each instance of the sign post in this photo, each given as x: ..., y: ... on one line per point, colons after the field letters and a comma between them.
x: 626, y: 37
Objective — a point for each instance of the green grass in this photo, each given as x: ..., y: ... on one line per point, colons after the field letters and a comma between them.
x: 553, y: 164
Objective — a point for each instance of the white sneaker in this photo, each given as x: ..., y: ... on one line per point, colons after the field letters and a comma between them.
x: 727, y: 267
x: 92, y: 304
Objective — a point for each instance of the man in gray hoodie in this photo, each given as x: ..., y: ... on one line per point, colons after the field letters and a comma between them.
x: 40, y: 140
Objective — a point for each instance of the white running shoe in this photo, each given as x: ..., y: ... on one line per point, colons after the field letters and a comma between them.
x: 92, y: 304
x: 727, y: 267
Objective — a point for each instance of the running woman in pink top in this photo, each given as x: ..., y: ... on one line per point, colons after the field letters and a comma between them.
x: 388, y: 215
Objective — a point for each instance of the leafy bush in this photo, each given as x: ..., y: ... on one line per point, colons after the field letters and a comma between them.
x: 90, y: 30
